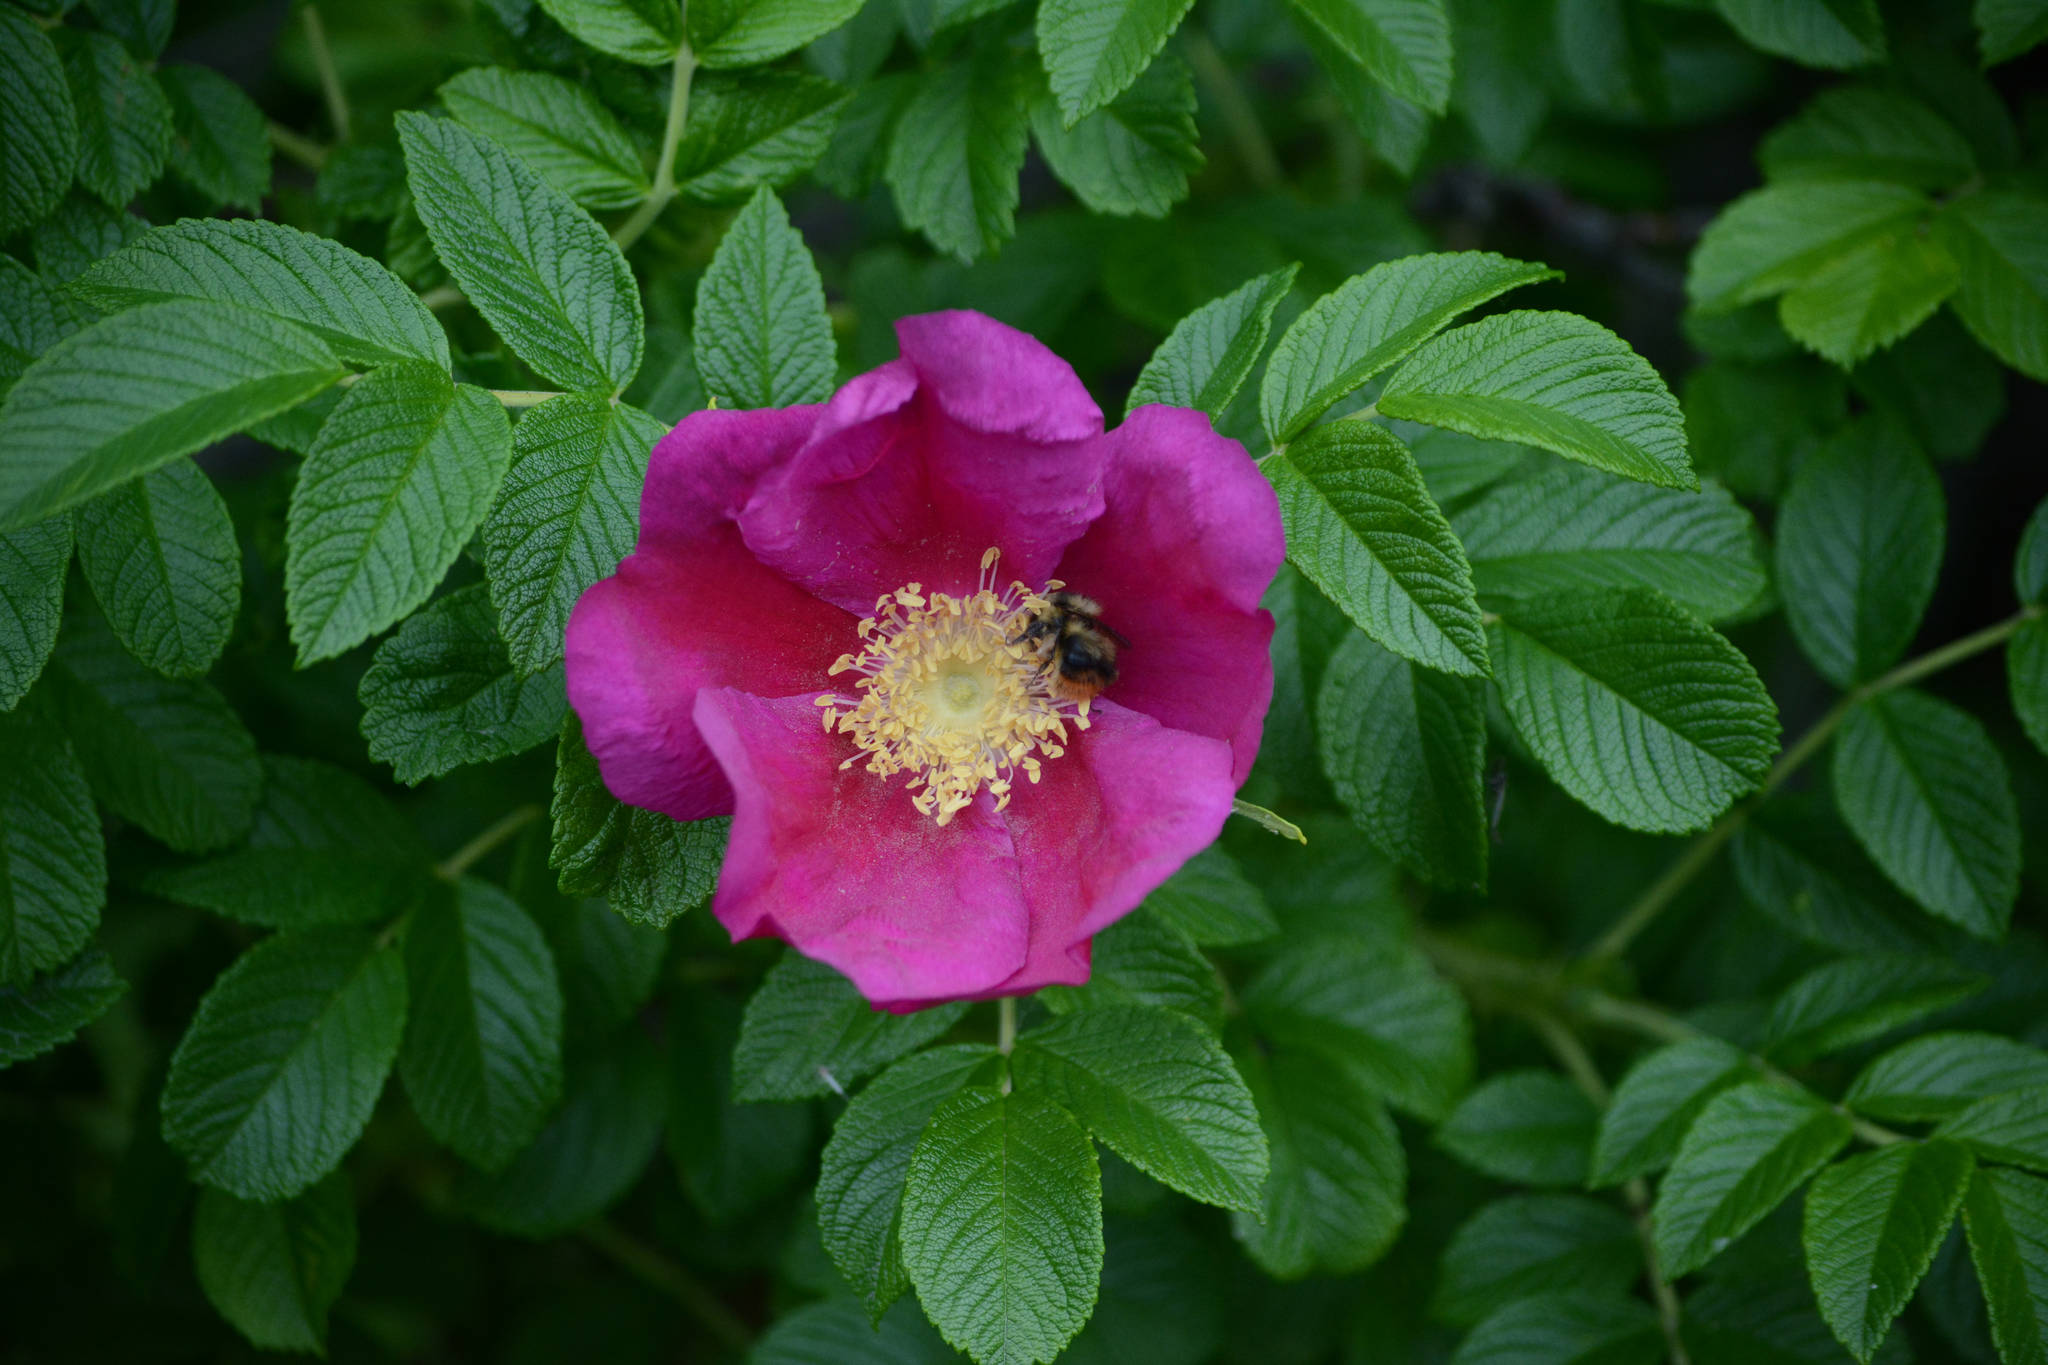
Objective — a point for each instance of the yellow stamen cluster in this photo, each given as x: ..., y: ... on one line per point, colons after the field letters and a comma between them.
x: 949, y: 695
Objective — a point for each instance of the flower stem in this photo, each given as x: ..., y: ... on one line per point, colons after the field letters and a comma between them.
x: 1254, y: 149
x: 664, y: 187
x: 330, y: 78
x: 1700, y: 854
x: 462, y: 859
x: 303, y: 150
x: 657, y: 1270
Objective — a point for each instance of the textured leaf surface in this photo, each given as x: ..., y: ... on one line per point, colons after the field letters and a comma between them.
x: 1362, y: 526
x: 761, y: 334
x: 141, y: 388
x: 351, y: 302
x: 2007, y: 1216
x: 161, y: 556
x: 53, y: 870
x: 1135, y: 154
x: 124, y: 121
x: 2007, y: 28
x: 837, y: 1332
x: 1211, y: 901
x: 398, y: 480
x: 1656, y: 1103
x: 1403, y: 746
x: 860, y: 1176
x: 1873, y: 1224
x: 1942, y: 1074
x: 649, y: 867
x: 1773, y: 238
x: 1144, y: 960
x: 2003, y: 297
x: 1862, y: 132
x: 38, y: 126
x: 566, y: 515
x: 649, y: 32
x: 763, y: 128
x: 33, y: 561
x: 1824, y: 33
x: 747, y: 32
x: 955, y: 156
x: 441, y: 693
x: 1920, y: 784
x: 1534, y: 1244
x: 1634, y: 707
x: 1205, y: 359
x: 1869, y: 298
x: 1570, y: 1328
x: 2011, y: 1128
x: 809, y: 1031
x: 482, y: 1058
x: 220, y: 141
x: 1525, y: 1127
x: 557, y: 127
x: 51, y: 1008
x: 1578, y: 528
x: 282, y: 1064
x: 274, y: 1270
x: 33, y: 318
x: 1095, y: 49
x: 540, y: 270
x: 1335, y: 1198
x: 1002, y: 1225
x: 1405, y: 45
x: 2026, y: 665
x: 1797, y: 863
x: 1372, y: 321
x: 81, y: 231
x: 1160, y: 1091
x: 1856, y: 999
x: 1750, y: 1148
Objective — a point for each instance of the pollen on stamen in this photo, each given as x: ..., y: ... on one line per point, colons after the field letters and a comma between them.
x: 947, y: 697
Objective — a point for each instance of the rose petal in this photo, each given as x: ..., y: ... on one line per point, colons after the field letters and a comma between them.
x: 998, y: 444
x: 1188, y: 540
x: 701, y: 474
x: 838, y: 863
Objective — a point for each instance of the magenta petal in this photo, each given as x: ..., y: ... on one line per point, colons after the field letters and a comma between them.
x: 838, y: 863
x: 701, y: 474
x: 1188, y: 540
x: 979, y: 436
x: 679, y: 616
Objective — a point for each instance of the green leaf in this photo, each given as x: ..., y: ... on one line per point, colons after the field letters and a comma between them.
x: 749, y: 32
x: 732, y: 1158
x: 1144, y: 960
x: 1924, y: 790
x: 1645, y: 715
x: 649, y: 867
x: 482, y: 1058
x: 81, y: 231
x: 53, y: 870
x: 2007, y: 28
x: 284, y: 1061
x: 1655, y: 1105
x: 608, y: 965
x: 1205, y: 360
x: 1534, y: 1244
x: 1799, y: 864
x: 761, y: 333
x: 540, y: 270
x: 171, y: 756
x: 671, y: 390
x: 2007, y: 1217
x: 557, y: 127
x: 1159, y: 1090
x: 1942, y: 1074
x: 566, y: 515
x: 1403, y: 746
x: 1525, y: 1127
x: 1554, y: 380
x: 2030, y: 561
x: 52, y: 1007
x: 1774, y: 238
x: 747, y: 131
x: 1212, y: 902
x: 2026, y: 664
x: 161, y: 556
x: 38, y: 126
x: 1405, y: 45
x: 2003, y: 298
x: 1335, y: 1198
x: 33, y: 318
x: 1750, y: 1148
x: 1824, y: 33
x: 649, y: 32
x: 1873, y: 1224
x: 1381, y: 1012
x: 273, y: 1270
x: 2010, y: 1128
x: 1939, y: 384
x: 1865, y: 300
x: 1571, y: 528
x: 442, y: 693
x: 1134, y: 155
x: 32, y: 565
x: 1863, y: 132
x: 956, y: 153
x: 1001, y: 1225
x: 1094, y: 50
x: 860, y: 1176
x: 808, y: 1031
x: 220, y: 141
x: 325, y: 848
x: 1569, y: 1327
x: 836, y: 1332
x: 398, y: 480
x: 593, y: 1149
x: 1765, y: 1319
x: 143, y: 25
x: 1397, y: 130
x: 1362, y: 526
x: 1860, y: 540
x: 124, y: 121
x: 138, y: 390
x: 1370, y: 322
x: 1857, y: 999
x: 350, y: 302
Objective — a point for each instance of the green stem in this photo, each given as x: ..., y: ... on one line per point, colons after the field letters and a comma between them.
x: 664, y: 187
x: 1700, y: 854
x: 1254, y: 149
x: 462, y: 859
x: 657, y: 1270
x: 1006, y: 1033
x: 330, y: 78
x: 443, y: 296
x: 524, y: 398
x: 303, y: 150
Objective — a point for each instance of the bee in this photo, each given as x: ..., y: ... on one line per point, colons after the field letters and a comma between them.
x: 1071, y: 639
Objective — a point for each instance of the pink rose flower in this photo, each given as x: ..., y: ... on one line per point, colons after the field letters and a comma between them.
x: 817, y: 634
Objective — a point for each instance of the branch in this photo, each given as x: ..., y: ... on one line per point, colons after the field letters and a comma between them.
x: 330, y: 78
x: 664, y: 187
x: 462, y: 859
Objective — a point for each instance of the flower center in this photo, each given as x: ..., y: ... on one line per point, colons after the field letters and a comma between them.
x: 951, y: 694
